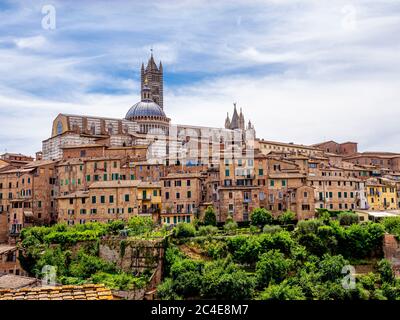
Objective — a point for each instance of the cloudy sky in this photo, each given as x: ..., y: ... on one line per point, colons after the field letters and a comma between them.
x: 303, y: 71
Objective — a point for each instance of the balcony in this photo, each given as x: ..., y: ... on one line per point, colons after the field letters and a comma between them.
x: 144, y: 197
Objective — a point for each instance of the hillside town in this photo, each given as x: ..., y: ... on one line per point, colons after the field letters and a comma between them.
x: 95, y: 169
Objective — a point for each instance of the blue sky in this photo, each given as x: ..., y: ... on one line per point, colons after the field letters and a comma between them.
x: 303, y: 71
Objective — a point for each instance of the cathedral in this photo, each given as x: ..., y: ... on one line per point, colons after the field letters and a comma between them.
x: 144, y: 123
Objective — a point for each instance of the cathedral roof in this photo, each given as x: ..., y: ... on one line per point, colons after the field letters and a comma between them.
x: 145, y: 108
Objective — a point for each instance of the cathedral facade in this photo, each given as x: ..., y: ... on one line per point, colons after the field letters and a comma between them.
x: 147, y: 124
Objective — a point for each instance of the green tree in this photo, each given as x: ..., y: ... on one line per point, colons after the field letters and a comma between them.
x: 224, y: 280
x: 287, y: 217
x: 330, y: 267
x: 210, y: 218
x: 272, y: 266
x: 282, y: 291
x: 260, y: 217
x: 385, y: 270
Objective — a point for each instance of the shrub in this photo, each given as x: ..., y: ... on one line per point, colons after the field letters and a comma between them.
x: 210, y: 219
x: 207, y: 230
x: 166, y: 290
x: 347, y: 218
x: 184, y: 230
x: 229, y: 227
x: 216, y: 249
x: 261, y: 217
x: 271, y: 229
x: 392, y: 225
x: 119, y: 281
x: 282, y: 291
x: 115, y: 226
x: 139, y: 225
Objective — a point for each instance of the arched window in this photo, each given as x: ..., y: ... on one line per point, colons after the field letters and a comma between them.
x: 59, y: 127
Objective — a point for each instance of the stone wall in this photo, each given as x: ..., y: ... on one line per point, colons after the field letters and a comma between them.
x: 133, y: 255
x: 391, y: 250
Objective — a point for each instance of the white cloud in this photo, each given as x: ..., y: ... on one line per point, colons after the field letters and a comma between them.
x: 36, y: 42
x: 303, y: 71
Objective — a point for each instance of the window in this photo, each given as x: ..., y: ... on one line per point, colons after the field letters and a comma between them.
x: 283, y: 183
x: 96, y: 177
x: 93, y: 211
x: 167, y: 195
x: 71, y: 201
x: 83, y: 211
x: 111, y: 199
x: 178, y: 195
x: 115, y: 164
x: 178, y: 183
x: 305, y: 194
x: 271, y: 183
x: 103, y: 199
x: 339, y: 194
x: 93, y: 199
x: 189, y: 194
x: 88, y: 177
x: 154, y: 193
x: 127, y: 197
x: 260, y: 172
x: 105, y: 177
x: 227, y: 172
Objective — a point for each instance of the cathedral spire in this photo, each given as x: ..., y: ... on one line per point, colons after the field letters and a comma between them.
x: 154, y: 77
x: 235, y: 118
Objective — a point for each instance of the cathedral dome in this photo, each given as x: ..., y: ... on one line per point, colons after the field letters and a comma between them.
x: 145, y: 108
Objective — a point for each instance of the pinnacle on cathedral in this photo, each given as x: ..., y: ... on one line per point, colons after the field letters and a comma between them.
x: 227, y: 121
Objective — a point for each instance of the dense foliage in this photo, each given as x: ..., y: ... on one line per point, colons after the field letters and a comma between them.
x: 74, y: 252
x: 313, y: 261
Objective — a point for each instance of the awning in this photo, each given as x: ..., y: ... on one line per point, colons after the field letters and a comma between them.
x: 28, y: 214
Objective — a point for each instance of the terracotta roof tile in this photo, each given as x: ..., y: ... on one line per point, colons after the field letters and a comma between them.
x: 84, y: 292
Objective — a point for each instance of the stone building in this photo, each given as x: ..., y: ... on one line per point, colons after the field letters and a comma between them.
x: 9, y: 263
x: 27, y: 196
x: 110, y: 200
x: 182, y: 195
